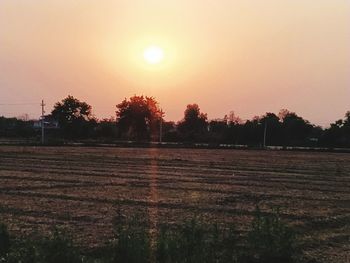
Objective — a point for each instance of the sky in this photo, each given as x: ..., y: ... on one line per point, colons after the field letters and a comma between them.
x: 246, y: 56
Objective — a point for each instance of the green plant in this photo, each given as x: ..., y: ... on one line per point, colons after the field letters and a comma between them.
x: 195, y: 241
x: 182, y: 244
x: 270, y: 240
x: 131, y: 243
x: 58, y: 248
x: 230, y: 247
x: 4, y: 241
x: 24, y: 252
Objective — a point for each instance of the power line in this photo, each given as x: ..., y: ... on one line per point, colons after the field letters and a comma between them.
x: 17, y: 104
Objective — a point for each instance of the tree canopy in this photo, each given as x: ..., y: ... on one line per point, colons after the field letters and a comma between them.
x: 338, y: 134
x: 138, y: 117
x: 73, y: 116
x: 194, y: 123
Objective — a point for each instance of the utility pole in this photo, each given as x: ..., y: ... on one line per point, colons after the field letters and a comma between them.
x: 42, y: 122
x: 265, y: 133
x: 161, y: 126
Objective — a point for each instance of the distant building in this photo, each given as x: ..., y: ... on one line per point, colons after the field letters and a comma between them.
x: 49, y: 123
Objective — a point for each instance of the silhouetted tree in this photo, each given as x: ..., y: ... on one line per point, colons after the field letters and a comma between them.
x: 296, y: 130
x: 232, y: 118
x: 138, y: 117
x: 274, y: 133
x: 106, y: 128
x: 218, y: 130
x: 13, y: 127
x: 170, y: 133
x: 232, y: 133
x: 251, y: 132
x: 194, y: 125
x: 338, y: 134
x: 74, y: 117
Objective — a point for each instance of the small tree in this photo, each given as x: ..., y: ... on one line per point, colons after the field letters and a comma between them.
x: 194, y: 125
x: 137, y: 117
x: 338, y: 134
x: 296, y: 130
x: 271, y: 122
x: 74, y: 117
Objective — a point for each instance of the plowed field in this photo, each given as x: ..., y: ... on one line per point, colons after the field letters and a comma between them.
x: 81, y: 188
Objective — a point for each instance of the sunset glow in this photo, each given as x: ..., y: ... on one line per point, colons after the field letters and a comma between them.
x: 153, y: 54
x: 224, y: 55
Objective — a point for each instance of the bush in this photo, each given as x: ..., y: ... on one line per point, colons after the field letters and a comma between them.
x: 195, y: 241
x: 58, y: 248
x: 270, y: 240
x: 131, y: 243
x: 24, y: 252
x: 185, y: 244
x: 4, y: 241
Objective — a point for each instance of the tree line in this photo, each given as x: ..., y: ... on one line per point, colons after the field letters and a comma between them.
x: 140, y: 118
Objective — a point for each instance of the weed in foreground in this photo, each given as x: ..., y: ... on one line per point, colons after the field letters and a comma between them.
x: 4, y: 241
x: 131, y: 243
x: 270, y: 240
x: 56, y: 248
x: 195, y: 241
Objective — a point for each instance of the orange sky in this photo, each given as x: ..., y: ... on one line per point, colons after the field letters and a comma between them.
x: 247, y: 56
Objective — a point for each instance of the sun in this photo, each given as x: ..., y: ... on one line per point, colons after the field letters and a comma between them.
x: 153, y: 54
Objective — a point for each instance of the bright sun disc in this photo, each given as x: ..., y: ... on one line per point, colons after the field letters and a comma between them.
x: 153, y: 55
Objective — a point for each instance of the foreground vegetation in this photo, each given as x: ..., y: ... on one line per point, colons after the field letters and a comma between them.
x: 268, y: 240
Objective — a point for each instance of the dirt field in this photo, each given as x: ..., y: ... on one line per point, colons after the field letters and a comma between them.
x: 81, y: 189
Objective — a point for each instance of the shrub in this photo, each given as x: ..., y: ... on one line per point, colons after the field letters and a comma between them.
x: 4, y: 241
x: 58, y: 248
x: 230, y: 246
x: 131, y: 243
x: 184, y: 244
x: 24, y: 252
x: 195, y: 241
x: 270, y: 240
